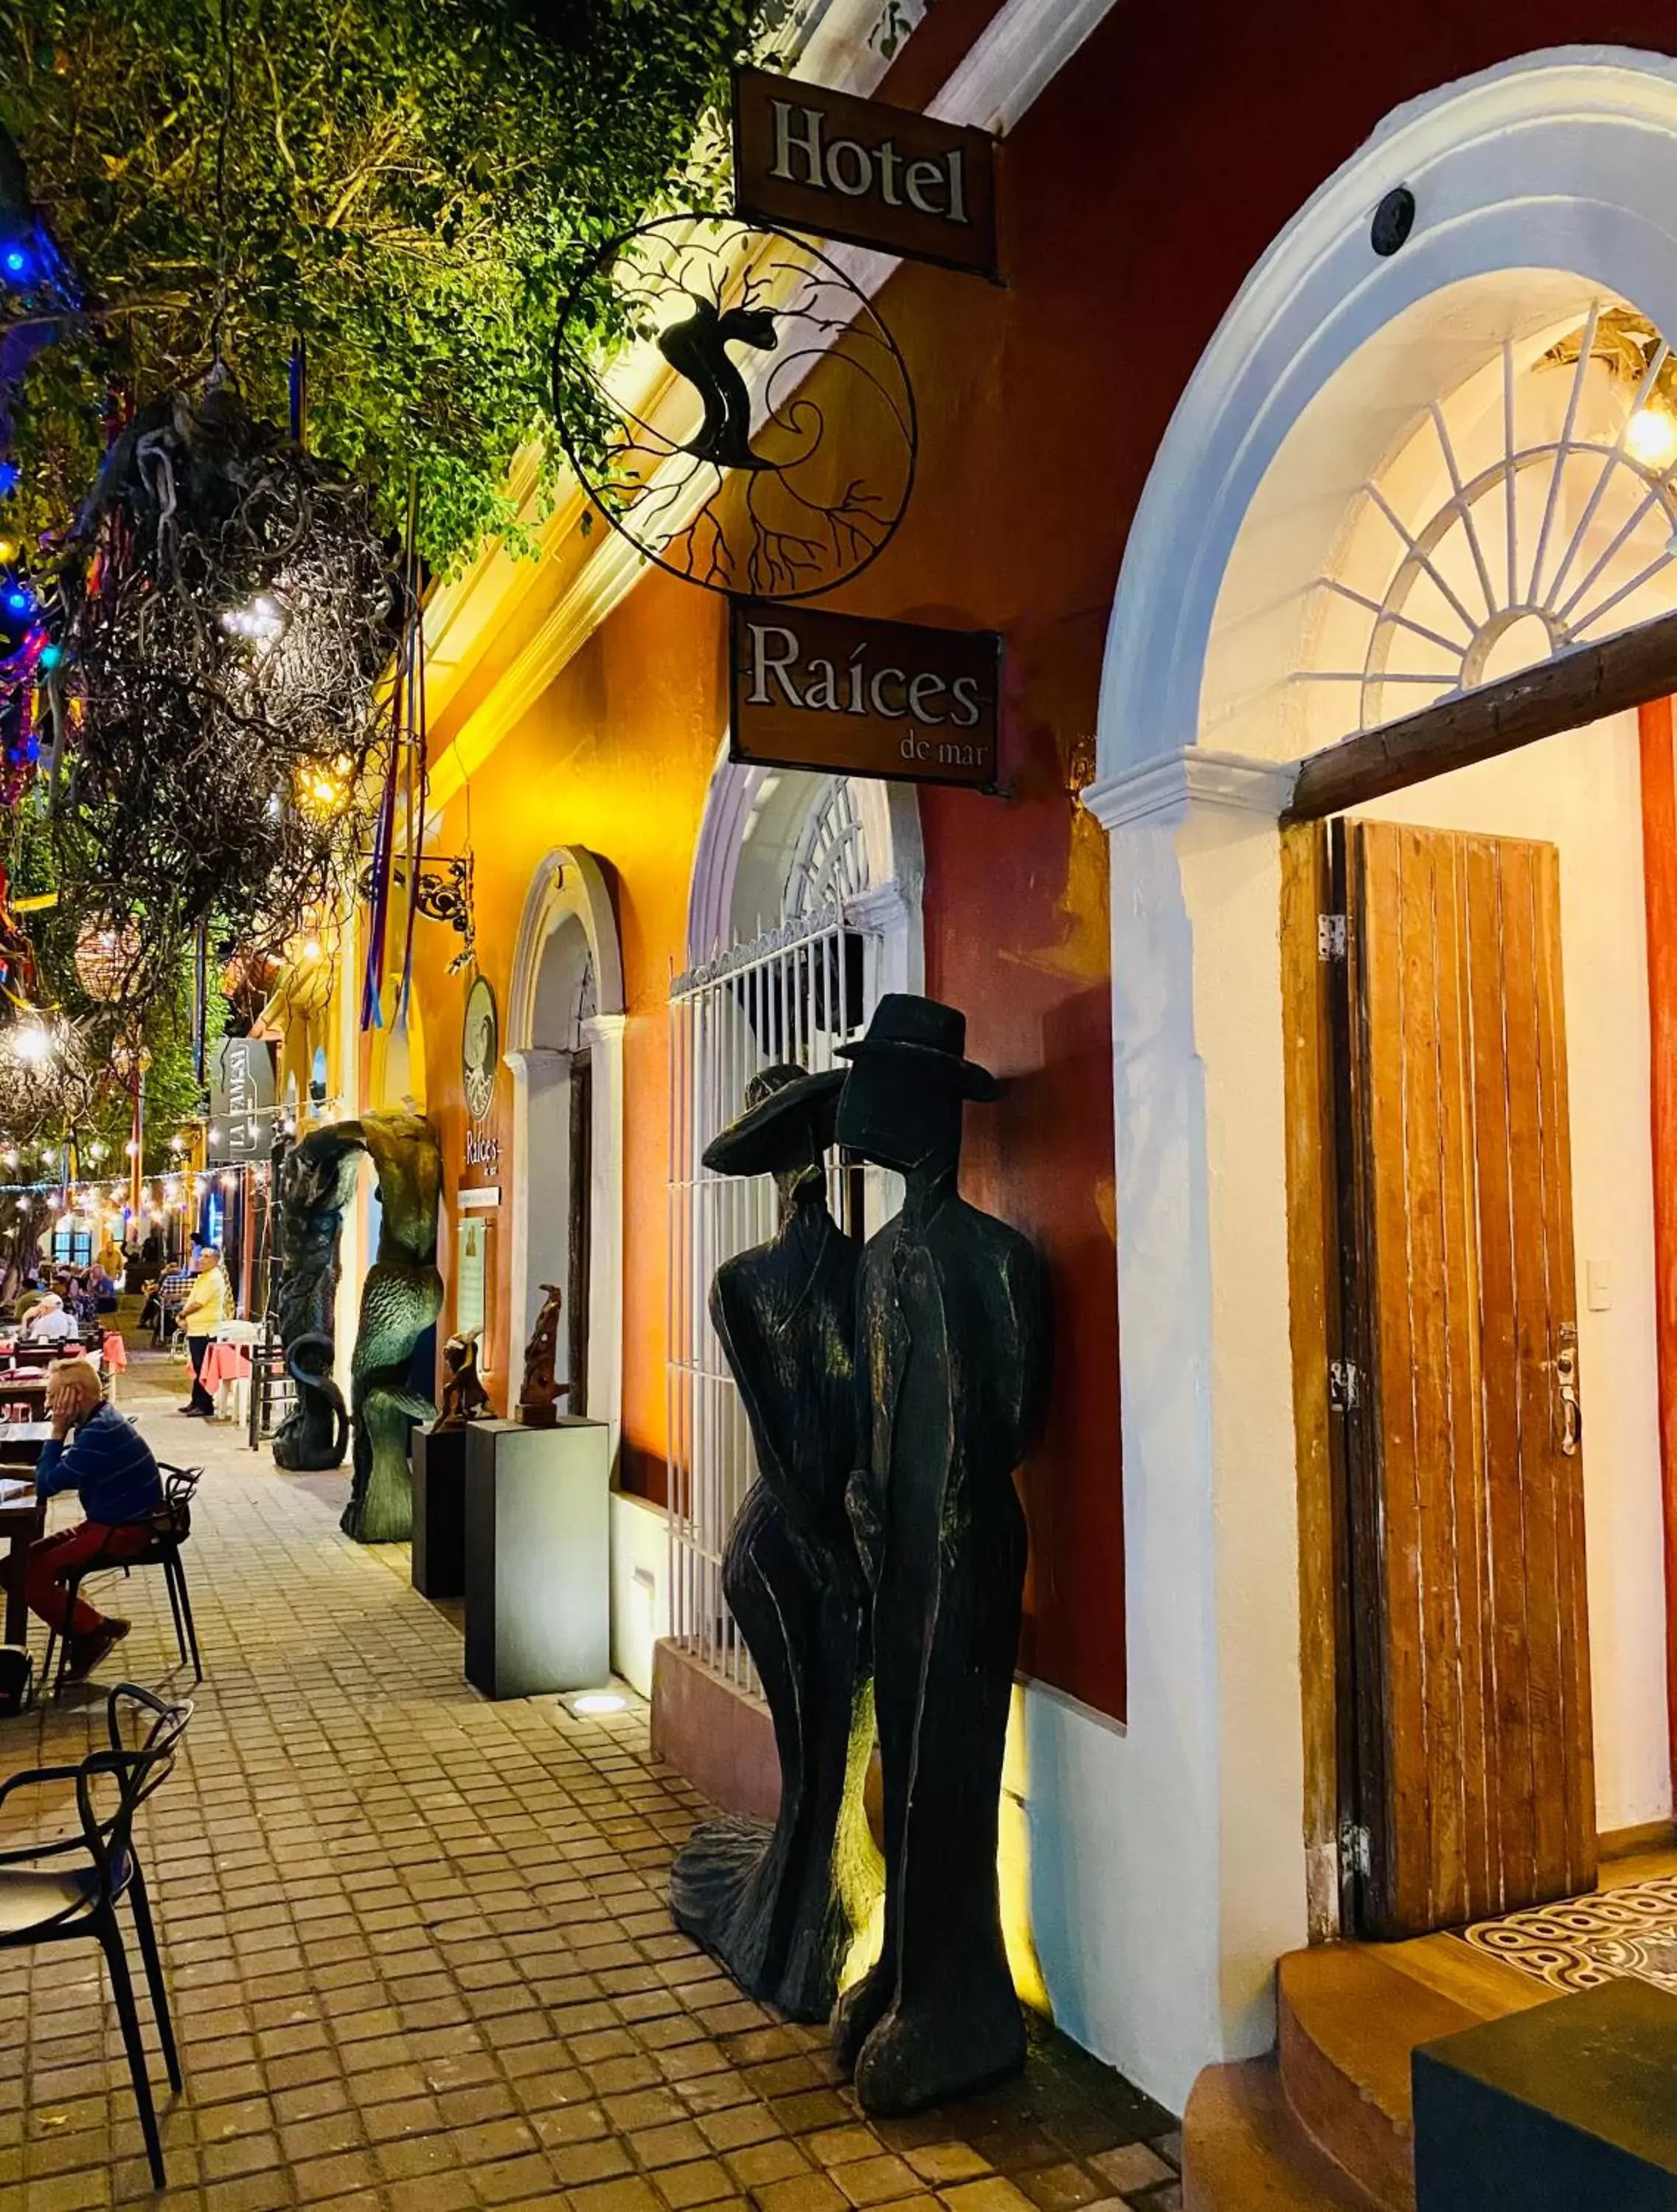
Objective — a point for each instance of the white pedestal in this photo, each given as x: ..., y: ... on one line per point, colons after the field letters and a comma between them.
x: 537, y: 1558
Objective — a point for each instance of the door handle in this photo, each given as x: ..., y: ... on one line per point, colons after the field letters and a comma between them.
x: 1572, y: 1408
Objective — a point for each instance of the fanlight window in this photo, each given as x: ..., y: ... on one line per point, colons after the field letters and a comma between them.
x: 1543, y: 519
x: 829, y: 863
x: 1529, y: 508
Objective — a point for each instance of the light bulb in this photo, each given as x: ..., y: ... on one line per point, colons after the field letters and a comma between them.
x: 1650, y: 437
x: 30, y: 1043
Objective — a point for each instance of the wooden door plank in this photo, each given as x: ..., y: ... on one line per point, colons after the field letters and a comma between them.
x: 1463, y: 1382
x: 1566, y: 1471
x: 1532, y: 1473
x: 1404, y: 1898
x: 1422, y: 886
x: 1325, y: 1618
x: 1502, y: 1542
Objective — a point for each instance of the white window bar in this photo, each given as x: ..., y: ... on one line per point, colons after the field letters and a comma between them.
x: 794, y: 994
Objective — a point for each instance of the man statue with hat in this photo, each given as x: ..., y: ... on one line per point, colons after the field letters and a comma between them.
x: 953, y: 1350
x: 779, y: 1906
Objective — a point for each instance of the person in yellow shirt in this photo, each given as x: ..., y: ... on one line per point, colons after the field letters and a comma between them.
x: 207, y: 1305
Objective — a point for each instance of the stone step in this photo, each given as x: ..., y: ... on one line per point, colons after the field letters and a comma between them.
x: 1348, y: 2021
x: 1243, y: 2150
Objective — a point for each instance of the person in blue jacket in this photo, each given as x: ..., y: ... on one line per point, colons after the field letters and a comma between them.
x: 94, y: 1451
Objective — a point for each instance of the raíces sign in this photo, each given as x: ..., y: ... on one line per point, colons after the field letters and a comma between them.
x: 812, y: 688
x: 825, y: 161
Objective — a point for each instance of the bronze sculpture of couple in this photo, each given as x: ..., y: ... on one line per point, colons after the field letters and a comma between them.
x: 878, y: 1565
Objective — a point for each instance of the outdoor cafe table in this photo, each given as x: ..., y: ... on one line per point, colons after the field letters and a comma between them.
x: 22, y: 1515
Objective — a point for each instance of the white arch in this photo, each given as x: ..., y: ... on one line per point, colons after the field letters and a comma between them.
x: 1564, y: 160
x: 569, y: 888
x: 569, y: 881
x: 895, y: 859
x: 1191, y: 1828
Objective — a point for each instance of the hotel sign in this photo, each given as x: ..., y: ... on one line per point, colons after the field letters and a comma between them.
x: 820, y: 161
x: 839, y: 693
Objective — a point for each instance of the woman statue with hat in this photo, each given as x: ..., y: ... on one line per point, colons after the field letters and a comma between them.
x: 778, y: 1906
x: 953, y: 1345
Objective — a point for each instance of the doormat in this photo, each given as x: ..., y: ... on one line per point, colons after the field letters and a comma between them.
x: 1615, y: 1936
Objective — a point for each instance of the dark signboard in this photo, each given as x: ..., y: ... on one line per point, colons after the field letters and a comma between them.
x: 480, y: 1058
x: 241, y: 1100
x: 825, y: 161
x: 811, y: 689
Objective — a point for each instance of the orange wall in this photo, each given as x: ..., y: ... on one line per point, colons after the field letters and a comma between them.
x: 616, y: 757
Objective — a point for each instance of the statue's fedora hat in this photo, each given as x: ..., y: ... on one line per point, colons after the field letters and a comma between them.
x: 925, y: 1034
x: 748, y: 1145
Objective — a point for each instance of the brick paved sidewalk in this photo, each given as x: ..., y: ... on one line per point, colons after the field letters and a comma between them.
x: 418, y: 1949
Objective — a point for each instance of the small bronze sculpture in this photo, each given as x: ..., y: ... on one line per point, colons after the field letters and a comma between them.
x: 954, y: 1351
x: 463, y: 1397
x: 779, y: 1905
x: 540, y: 1395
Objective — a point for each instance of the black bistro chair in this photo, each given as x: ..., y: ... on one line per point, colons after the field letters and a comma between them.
x: 171, y: 1525
x: 65, y: 1890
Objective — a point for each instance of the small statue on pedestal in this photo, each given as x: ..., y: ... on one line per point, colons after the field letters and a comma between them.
x: 463, y: 1397
x: 779, y: 1905
x: 953, y: 1342
x: 540, y: 1395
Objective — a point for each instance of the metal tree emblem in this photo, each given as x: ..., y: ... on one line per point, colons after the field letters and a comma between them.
x: 762, y: 442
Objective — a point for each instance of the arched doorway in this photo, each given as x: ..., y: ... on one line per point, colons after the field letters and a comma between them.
x: 1291, y: 571
x: 565, y: 1026
x: 804, y: 908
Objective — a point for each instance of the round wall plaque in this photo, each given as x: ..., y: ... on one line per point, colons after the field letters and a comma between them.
x: 480, y: 1050
x: 776, y: 452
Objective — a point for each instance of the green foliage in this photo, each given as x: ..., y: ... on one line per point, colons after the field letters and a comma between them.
x: 410, y: 186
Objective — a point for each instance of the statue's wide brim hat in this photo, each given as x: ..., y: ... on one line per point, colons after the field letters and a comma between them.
x: 750, y: 1141
x: 923, y: 1034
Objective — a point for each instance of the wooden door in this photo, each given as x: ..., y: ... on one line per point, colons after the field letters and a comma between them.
x: 580, y: 1229
x: 1473, y: 1777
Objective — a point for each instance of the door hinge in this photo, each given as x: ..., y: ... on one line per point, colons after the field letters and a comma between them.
x: 1356, y: 1849
x: 1330, y: 937
x: 1344, y: 1386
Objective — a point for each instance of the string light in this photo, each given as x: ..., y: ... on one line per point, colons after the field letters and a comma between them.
x: 261, y: 619
x: 31, y: 1043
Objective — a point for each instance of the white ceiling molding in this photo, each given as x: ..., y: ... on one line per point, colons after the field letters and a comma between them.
x: 1023, y: 49
x: 1007, y: 68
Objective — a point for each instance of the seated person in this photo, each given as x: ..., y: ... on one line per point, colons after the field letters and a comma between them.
x: 94, y: 1451
x: 48, y: 1322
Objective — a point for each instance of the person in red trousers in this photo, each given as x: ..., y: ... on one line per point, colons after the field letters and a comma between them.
x: 94, y: 1451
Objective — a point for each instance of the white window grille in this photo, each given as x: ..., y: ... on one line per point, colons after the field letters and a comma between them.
x: 794, y: 994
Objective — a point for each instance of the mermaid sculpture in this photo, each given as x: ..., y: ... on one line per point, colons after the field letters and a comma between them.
x: 318, y: 1182
x: 778, y: 1906
x: 399, y: 1301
